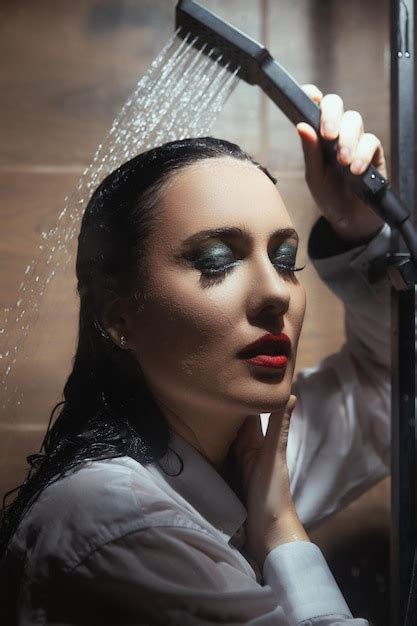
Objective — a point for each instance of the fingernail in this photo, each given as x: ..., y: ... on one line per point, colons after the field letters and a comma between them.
x: 357, y: 166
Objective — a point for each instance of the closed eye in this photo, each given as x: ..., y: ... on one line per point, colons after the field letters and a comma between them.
x: 215, y: 260
x: 284, y: 258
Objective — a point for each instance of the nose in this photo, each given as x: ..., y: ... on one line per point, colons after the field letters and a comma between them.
x: 270, y: 295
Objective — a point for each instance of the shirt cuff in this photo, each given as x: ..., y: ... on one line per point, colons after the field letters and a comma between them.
x: 306, y: 588
x: 325, y: 242
x: 347, y: 273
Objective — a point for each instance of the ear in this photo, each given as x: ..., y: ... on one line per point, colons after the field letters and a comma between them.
x: 115, y: 316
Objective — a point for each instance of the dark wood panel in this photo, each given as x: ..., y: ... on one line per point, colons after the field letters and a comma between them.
x: 343, y: 47
x: 18, y: 444
x: 356, y: 545
x: 67, y: 69
x: 79, y: 62
x: 30, y: 202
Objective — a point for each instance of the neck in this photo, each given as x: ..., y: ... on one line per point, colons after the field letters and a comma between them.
x: 211, y: 433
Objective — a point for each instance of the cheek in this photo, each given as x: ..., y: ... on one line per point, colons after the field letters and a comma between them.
x: 298, y: 308
x: 180, y: 324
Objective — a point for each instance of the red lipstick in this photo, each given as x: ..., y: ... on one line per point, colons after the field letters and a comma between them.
x: 268, y: 351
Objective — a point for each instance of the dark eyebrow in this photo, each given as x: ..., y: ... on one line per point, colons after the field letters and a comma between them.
x: 285, y: 233
x: 232, y: 231
x: 215, y: 233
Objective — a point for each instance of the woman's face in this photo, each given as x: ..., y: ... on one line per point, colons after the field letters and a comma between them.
x: 219, y: 278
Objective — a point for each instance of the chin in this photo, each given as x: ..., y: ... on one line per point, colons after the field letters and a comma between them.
x: 275, y: 404
x: 267, y: 399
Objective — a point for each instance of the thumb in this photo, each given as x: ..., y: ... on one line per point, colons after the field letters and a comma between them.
x: 313, y: 156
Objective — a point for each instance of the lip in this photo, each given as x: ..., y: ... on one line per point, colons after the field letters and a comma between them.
x: 270, y: 351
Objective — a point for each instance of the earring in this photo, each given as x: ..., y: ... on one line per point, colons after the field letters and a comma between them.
x: 123, y: 340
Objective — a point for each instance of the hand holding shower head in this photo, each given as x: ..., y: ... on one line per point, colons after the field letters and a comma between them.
x: 255, y: 65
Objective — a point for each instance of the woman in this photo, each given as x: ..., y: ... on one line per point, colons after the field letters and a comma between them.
x: 158, y: 501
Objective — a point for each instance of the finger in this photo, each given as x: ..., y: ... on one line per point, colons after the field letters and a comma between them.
x: 307, y: 133
x: 250, y: 436
x: 285, y: 426
x: 331, y: 114
x: 350, y: 132
x: 313, y: 92
x: 369, y: 150
x: 277, y: 432
x: 313, y: 154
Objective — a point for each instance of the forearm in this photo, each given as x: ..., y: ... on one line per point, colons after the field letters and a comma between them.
x: 344, y: 267
x: 340, y: 430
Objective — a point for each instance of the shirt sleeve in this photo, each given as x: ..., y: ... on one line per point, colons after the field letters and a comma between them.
x: 181, y: 576
x: 340, y: 432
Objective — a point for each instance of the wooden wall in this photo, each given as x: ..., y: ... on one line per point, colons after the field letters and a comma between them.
x: 67, y: 69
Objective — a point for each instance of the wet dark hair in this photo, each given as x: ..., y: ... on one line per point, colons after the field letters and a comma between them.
x: 108, y: 410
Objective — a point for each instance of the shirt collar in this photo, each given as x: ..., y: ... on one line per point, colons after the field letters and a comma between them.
x: 201, y: 486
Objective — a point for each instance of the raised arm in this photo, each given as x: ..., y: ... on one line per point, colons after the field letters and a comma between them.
x: 339, y: 438
x: 340, y: 430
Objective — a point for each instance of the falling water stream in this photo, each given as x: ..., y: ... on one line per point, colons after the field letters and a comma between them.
x: 180, y: 96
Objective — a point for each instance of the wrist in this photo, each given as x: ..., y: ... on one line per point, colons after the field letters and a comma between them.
x: 288, y: 529
x: 326, y: 241
x: 355, y: 234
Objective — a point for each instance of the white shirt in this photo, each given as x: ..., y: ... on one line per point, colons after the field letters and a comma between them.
x: 117, y: 542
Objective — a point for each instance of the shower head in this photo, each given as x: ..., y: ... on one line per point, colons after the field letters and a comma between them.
x: 249, y: 59
x: 224, y: 43
x: 254, y: 64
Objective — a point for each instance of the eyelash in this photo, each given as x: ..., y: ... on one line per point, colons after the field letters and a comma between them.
x: 289, y: 270
x: 222, y: 272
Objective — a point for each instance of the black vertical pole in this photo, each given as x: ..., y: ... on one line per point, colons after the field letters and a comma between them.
x: 403, y: 170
